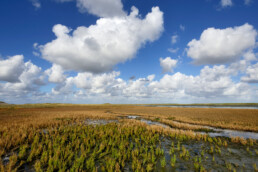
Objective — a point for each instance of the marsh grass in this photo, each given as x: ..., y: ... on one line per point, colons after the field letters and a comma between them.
x: 58, y: 139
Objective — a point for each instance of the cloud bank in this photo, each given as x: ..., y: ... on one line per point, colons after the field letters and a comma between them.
x: 212, y: 84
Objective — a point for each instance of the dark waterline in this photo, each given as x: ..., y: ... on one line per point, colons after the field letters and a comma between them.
x: 217, y: 107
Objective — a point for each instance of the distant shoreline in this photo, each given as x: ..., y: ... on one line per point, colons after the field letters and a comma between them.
x: 201, y: 105
x: 210, y: 104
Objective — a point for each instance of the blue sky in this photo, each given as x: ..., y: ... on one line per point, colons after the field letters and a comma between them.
x: 121, y: 51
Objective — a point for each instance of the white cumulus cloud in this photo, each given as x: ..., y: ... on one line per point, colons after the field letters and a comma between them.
x: 252, y: 74
x: 217, y: 46
x: 55, y: 74
x: 167, y: 64
x: 11, y: 68
x: 213, y: 82
x: 23, y: 82
x: 226, y: 3
x: 250, y: 56
x: 102, y: 8
x: 99, y: 47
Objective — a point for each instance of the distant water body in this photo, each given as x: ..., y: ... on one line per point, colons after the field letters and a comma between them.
x: 191, y: 106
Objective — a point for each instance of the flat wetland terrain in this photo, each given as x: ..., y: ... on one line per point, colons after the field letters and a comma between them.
x: 63, y: 137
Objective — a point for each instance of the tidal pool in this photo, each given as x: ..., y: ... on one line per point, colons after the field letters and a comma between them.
x: 216, y: 132
x: 225, y: 132
x: 220, y: 159
x: 149, y: 122
x: 99, y: 121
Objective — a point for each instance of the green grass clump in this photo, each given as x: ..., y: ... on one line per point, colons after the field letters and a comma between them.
x: 86, y: 148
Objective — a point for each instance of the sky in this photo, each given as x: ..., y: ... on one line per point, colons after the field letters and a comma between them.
x: 128, y: 51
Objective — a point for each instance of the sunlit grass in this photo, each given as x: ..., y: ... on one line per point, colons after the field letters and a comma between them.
x: 59, y: 139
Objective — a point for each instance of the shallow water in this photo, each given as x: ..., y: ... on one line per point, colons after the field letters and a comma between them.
x: 217, y: 107
x: 154, y: 123
x: 133, y: 116
x: 234, y: 154
x: 149, y: 122
x: 217, y: 132
x: 6, y: 160
x: 233, y: 133
x: 99, y: 121
x: 226, y: 132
